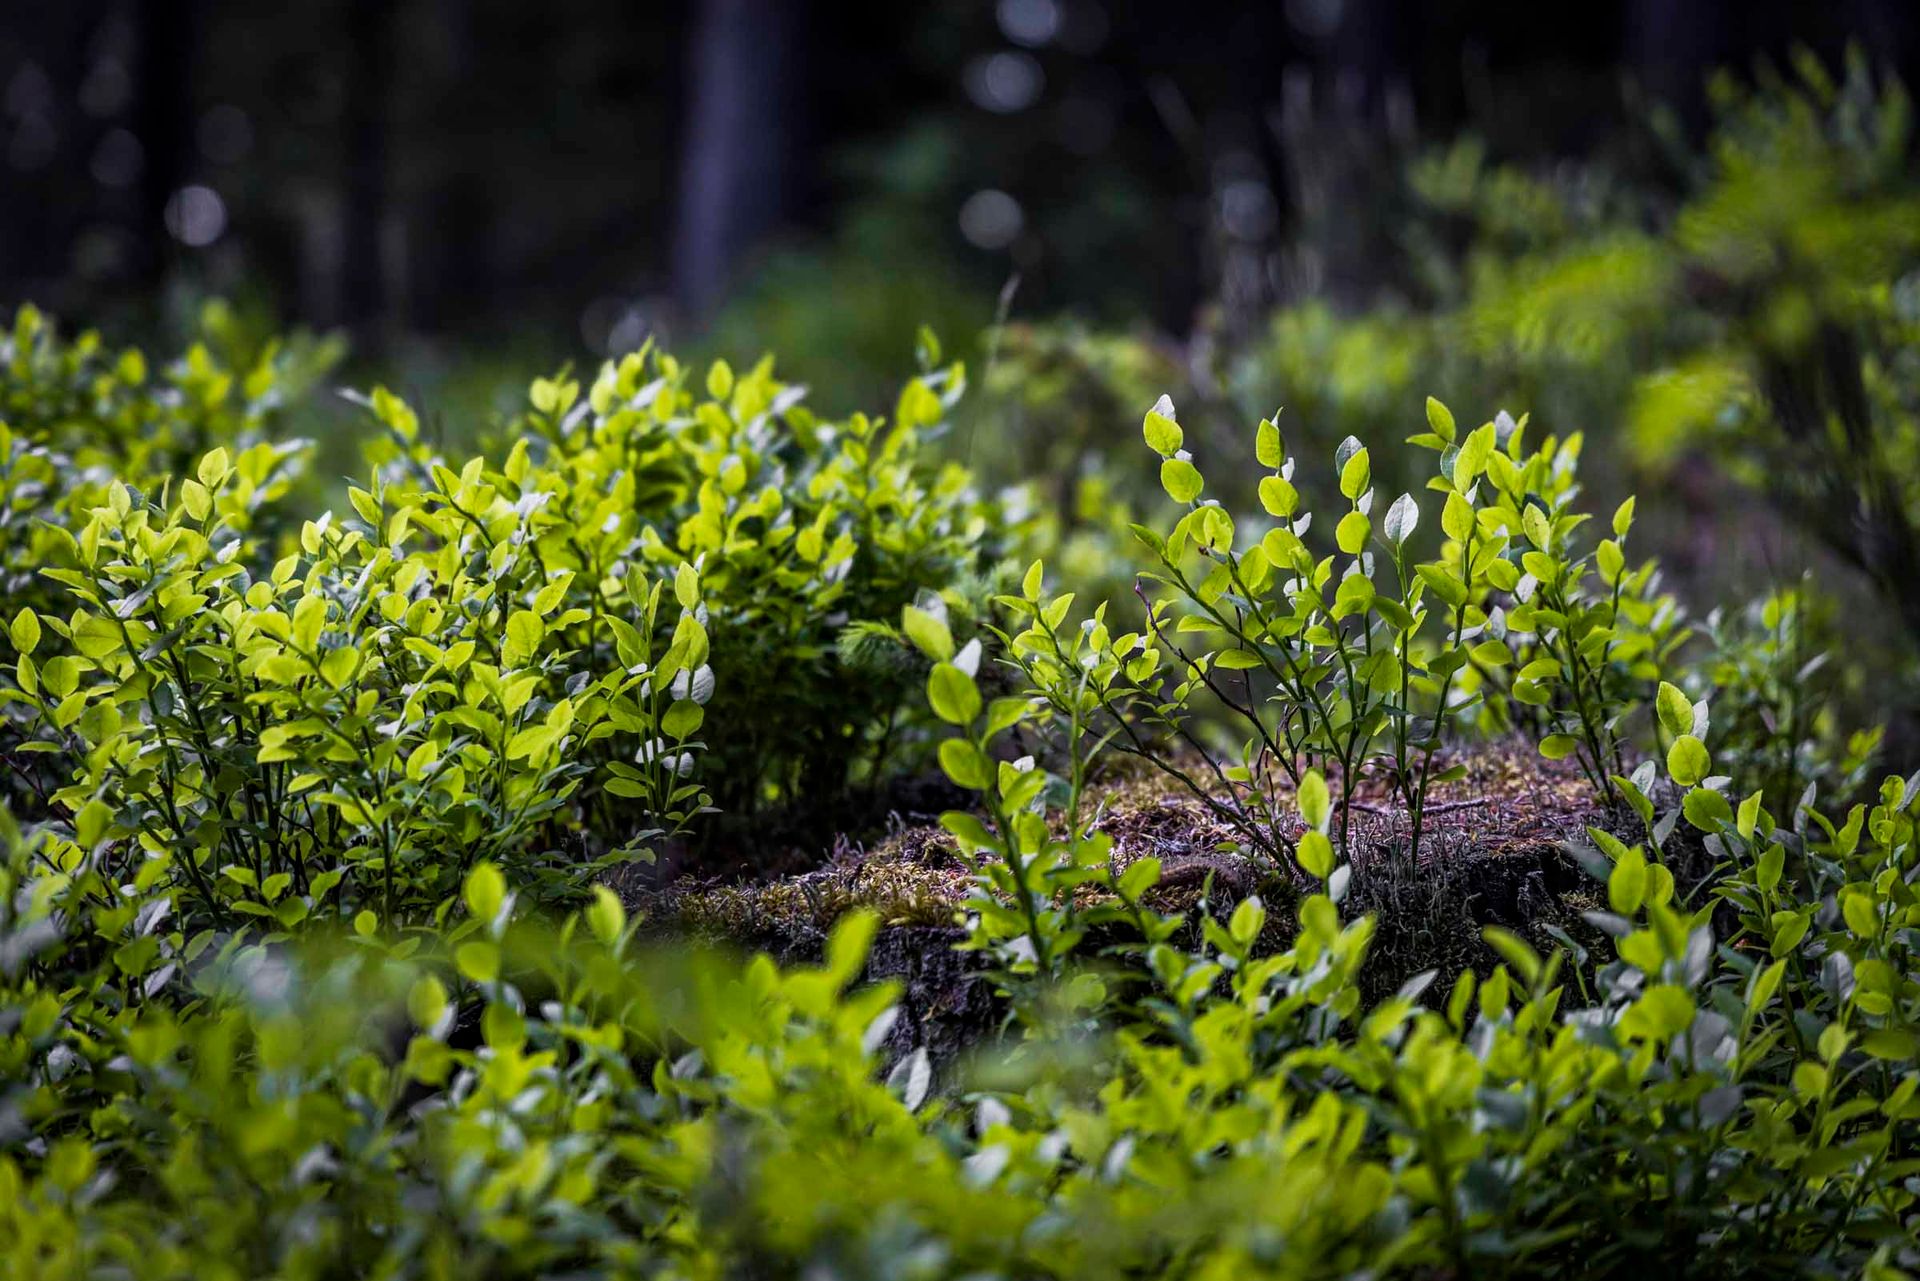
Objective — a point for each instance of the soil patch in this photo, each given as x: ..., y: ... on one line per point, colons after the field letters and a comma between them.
x: 1493, y: 852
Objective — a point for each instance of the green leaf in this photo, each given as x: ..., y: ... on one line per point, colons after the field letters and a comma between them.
x: 1687, y: 760
x: 1356, y: 475
x: 683, y: 718
x: 928, y: 631
x: 1441, y: 582
x: 1536, y: 526
x: 214, y: 468
x: 485, y: 892
x: 1627, y: 883
x: 25, y: 631
x: 1279, y: 497
x: 1892, y: 1044
x: 365, y: 504
x: 606, y: 916
x: 1861, y: 916
x: 1706, y: 809
x: 426, y: 1001
x: 524, y: 634
x: 965, y: 764
x: 92, y: 823
x: 1765, y: 984
x: 1675, y: 710
x: 1515, y: 951
x: 1181, y: 479
x: 1315, y: 853
x: 1472, y: 458
x: 1163, y: 434
x: 1557, y: 747
x: 479, y: 960
x: 1623, y: 518
x: 1440, y: 418
x: 531, y: 743
x: 1350, y: 535
x: 1268, y: 448
x: 195, y: 498
x: 1248, y: 919
x: 952, y: 694
x: 309, y: 617
x: 848, y: 945
x: 1316, y: 802
x: 1610, y: 560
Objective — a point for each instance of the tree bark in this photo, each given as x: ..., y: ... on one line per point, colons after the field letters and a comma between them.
x: 365, y: 294
x: 167, y: 38
x: 735, y: 166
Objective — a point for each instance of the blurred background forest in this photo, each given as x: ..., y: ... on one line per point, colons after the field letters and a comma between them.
x: 570, y: 175
x: 1686, y: 227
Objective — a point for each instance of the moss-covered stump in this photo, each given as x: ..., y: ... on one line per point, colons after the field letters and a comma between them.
x: 1492, y: 852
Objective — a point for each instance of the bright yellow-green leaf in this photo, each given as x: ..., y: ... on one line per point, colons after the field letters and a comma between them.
x: 1687, y: 760
x: 1181, y: 479
x: 1162, y: 433
x: 25, y: 631
x: 928, y: 631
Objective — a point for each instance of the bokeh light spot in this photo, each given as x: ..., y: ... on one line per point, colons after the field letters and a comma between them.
x: 196, y: 216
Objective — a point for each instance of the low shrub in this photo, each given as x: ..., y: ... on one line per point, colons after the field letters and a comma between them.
x: 1734, y: 1086
x: 338, y: 717
x: 1366, y: 656
x: 808, y: 536
x: 303, y: 971
x: 77, y: 418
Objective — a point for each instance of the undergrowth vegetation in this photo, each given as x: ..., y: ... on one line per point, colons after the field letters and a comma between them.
x: 316, y: 951
x: 306, y: 969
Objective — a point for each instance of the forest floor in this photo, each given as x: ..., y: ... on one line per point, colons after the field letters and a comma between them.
x: 1494, y: 851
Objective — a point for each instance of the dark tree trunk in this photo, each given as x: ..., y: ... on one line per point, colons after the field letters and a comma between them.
x: 365, y: 294
x: 167, y: 37
x: 451, y: 274
x: 1336, y: 130
x: 735, y: 170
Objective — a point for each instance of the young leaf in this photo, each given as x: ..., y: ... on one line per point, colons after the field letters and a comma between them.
x: 1687, y: 760
x: 1401, y: 519
x: 1268, y: 449
x: 1316, y: 805
x: 1675, y: 710
x: 928, y: 631
x: 1356, y: 474
x: 1031, y: 584
x: 952, y: 694
x: 1559, y: 746
x: 25, y: 631
x: 214, y: 468
x: 1623, y: 518
x: 1315, y: 853
x: 1627, y: 883
x: 1181, y: 479
x: 1163, y: 434
x: 1350, y: 535
x: 485, y: 892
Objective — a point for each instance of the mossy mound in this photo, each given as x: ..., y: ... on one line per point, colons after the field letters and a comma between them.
x: 1493, y: 852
